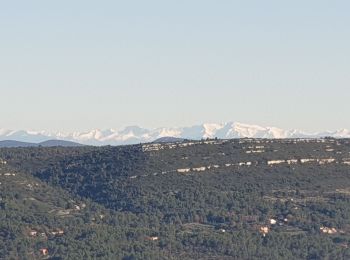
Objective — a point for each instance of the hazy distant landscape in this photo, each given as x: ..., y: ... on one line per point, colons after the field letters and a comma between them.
x: 135, y: 134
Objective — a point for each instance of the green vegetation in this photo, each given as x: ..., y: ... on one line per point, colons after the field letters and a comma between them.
x: 188, y: 200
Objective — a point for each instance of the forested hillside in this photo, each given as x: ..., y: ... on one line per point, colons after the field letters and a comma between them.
x: 222, y: 199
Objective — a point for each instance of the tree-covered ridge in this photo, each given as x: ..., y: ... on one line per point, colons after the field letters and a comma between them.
x: 226, y: 199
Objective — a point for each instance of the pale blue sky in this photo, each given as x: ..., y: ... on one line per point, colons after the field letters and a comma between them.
x: 78, y: 65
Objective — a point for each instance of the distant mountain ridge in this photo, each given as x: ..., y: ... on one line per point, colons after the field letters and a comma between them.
x: 168, y: 139
x: 135, y: 134
x: 48, y: 143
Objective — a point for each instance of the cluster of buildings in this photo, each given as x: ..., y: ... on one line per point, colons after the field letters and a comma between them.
x: 35, y: 233
x: 328, y: 230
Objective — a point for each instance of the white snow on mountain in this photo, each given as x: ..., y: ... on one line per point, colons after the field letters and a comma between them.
x: 135, y: 134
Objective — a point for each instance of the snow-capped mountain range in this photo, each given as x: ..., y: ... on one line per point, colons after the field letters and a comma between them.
x: 135, y: 134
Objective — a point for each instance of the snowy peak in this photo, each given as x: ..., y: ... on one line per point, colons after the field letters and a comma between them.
x: 135, y: 134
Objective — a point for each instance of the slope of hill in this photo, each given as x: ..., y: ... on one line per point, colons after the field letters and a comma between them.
x: 224, y: 199
x: 38, y: 221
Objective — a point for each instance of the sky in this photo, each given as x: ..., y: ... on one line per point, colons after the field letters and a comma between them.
x: 81, y: 65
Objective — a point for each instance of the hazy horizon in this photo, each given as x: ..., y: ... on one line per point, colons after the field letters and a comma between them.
x: 125, y: 127
x: 76, y: 66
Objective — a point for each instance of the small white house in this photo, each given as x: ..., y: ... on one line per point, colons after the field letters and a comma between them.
x: 273, y: 221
